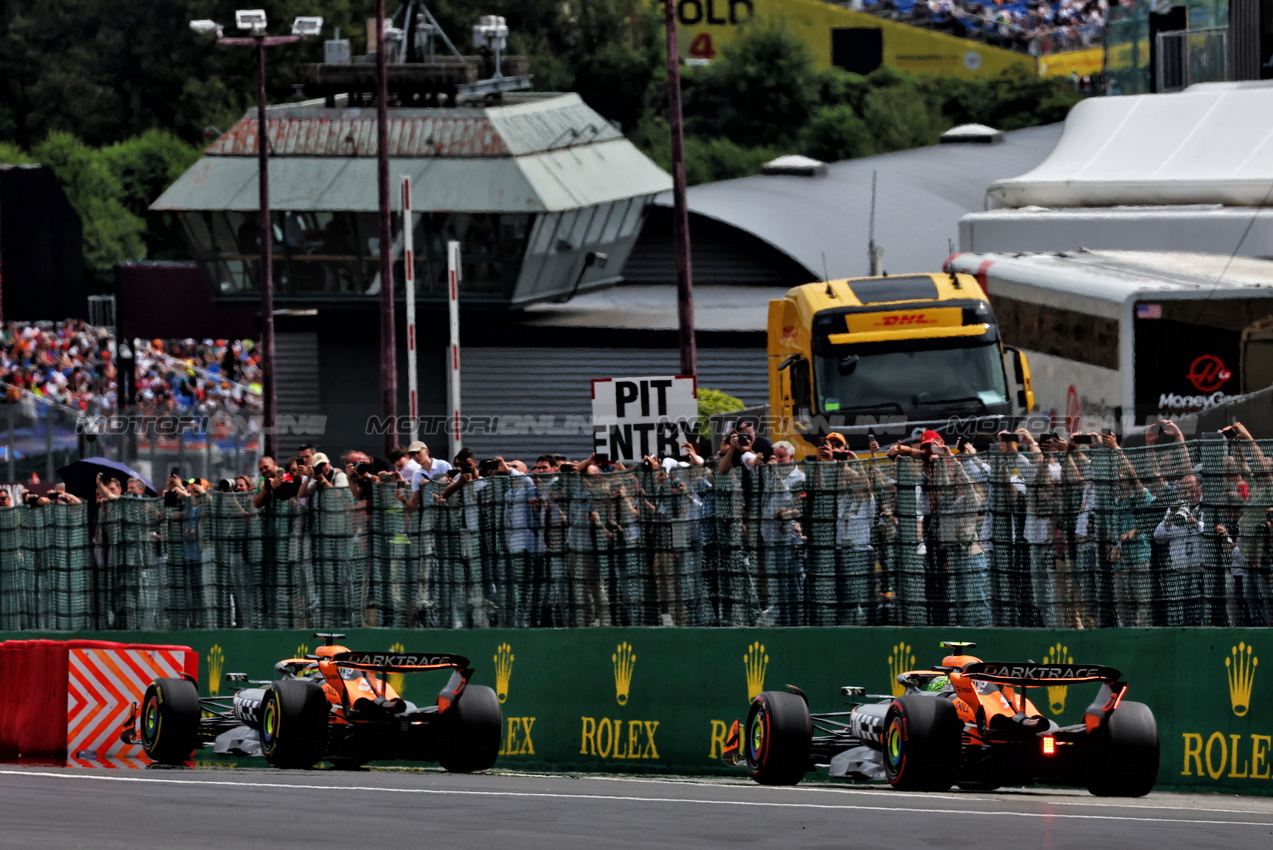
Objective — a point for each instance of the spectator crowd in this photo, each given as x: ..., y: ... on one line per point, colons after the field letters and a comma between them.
x: 1031, y: 531
x: 74, y: 364
x: 1031, y: 26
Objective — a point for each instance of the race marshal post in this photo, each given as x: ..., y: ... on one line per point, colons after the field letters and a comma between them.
x: 635, y: 417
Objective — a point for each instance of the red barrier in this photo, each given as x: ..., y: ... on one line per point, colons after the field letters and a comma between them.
x: 60, y: 698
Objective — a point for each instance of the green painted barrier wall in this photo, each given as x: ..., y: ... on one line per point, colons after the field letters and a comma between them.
x: 661, y: 699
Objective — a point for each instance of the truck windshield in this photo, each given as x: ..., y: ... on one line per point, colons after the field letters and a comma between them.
x: 969, y: 377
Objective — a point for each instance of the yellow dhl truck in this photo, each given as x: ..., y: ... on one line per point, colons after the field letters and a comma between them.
x: 893, y: 357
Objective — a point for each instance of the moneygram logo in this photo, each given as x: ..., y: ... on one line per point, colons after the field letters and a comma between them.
x: 1056, y: 693
x: 624, y: 660
x: 1241, y: 667
x: 216, y: 662
x: 503, y: 670
x: 902, y: 659
x: 755, y: 662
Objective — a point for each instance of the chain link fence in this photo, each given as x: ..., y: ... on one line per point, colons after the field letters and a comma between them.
x: 1176, y: 535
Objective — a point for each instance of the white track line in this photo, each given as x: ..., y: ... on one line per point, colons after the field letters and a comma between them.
x: 292, y: 786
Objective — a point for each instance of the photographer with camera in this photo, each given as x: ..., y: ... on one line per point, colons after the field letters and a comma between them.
x: 1183, y: 529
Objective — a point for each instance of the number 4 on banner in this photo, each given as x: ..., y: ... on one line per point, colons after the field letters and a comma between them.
x: 701, y: 47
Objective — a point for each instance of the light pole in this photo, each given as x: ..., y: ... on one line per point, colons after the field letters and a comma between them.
x: 253, y: 21
x: 388, y: 322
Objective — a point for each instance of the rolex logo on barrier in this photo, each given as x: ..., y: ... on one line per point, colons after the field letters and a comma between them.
x: 1241, y: 669
x: 618, y: 737
x: 216, y: 661
x: 902, y: 659
x: 755, y: 662
x: 503, y: 670
x: 397, y: 680
x: 1056, y: 693
x: 302, y: 651
x: 624, y: 660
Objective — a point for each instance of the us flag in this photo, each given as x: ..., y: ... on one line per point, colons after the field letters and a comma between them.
x: 1149, y: 311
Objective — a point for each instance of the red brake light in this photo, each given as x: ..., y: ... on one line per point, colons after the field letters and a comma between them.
x: 1049, y: 745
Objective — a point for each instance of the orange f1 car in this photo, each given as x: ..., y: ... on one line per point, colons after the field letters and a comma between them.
x: 335, y: 705
x: 966, y: 722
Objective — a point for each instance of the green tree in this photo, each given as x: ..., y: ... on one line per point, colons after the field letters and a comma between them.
x: 760, y: 91
x: 835, y: 133
x: 145, y: 166
x: 112, y: 234
x: 899, y: 117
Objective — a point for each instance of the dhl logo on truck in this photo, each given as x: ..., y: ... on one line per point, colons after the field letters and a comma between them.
x: 939, y: 317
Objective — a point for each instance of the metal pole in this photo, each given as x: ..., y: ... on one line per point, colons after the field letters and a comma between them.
x: 267, y: 262
x: 388, y: 345
x: 453, y: 358
x: 48, y: 443
x: 680, y: 213
x: 11, y: 450
x: 408, y: 265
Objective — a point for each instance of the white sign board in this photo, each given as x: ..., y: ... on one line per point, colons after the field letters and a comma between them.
x: 635, y: 417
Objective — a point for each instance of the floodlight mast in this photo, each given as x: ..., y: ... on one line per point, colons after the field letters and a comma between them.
x: 254, y: 21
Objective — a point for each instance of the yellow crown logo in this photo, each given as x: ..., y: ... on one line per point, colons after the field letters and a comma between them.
x: 302, y: 651
x: 1241, y: 677
x: 902, y: 659
x: 503, y: 670
x: 624, y: 660
x: 216, y: 661
x: 1056, y: 693
x: 397, y: 680
x: 755, y: 662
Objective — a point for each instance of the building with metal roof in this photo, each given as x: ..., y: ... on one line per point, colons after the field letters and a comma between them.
x: 530, y: 186
x: 782, y: 230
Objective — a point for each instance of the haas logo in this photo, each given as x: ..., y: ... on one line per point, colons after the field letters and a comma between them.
x: 1207, y: 373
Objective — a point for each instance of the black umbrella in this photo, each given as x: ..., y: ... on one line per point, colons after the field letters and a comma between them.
x: 81, y: 476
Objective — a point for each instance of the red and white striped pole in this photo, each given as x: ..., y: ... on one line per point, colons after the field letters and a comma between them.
x: 453, y: 279
x: 408, y: 250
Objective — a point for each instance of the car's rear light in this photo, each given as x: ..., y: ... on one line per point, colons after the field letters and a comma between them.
x: 1049, y: 745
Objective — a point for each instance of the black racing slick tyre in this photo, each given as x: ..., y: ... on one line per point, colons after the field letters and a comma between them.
x: 778, y: 735
x: 170, y: 720
x: 1126, y: 765
x: 923, y: 741
x: 294, y: 723
x: 471, y: 741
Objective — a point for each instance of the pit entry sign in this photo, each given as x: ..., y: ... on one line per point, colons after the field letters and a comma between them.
x: 635, y: 417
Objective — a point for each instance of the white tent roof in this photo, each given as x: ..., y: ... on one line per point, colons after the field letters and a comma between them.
x: 1209, y: 144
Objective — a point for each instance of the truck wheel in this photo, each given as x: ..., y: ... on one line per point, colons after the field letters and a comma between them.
x: 778, y: 734
x: 294, y: 723
x: 170, y: 720
x: 1127, y: 765
x: 923, y: 740
x: 471, y: 741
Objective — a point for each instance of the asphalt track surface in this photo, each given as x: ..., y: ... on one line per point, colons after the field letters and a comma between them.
x: 53, y: 808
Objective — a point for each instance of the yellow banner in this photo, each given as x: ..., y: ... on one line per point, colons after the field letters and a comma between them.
x: 1081, y: 62
x: 704, y: 26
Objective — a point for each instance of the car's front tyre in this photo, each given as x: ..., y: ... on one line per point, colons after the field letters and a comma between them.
x: 778, y: 734
x: 170, y: 720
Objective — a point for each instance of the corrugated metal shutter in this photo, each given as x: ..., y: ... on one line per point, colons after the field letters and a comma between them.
x: 295, y: 385
x: 504, y: 386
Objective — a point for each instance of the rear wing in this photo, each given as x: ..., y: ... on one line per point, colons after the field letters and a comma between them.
x: 1031, y: 673
x: 398, y: 662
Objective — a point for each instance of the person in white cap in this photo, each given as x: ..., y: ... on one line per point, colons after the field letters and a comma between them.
x: 428, y: 468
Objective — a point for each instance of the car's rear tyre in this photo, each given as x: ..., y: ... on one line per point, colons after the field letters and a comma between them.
x: 471, y: 740
x: 294, y: 723
x: 170, y: 720
x: 923, y: 739
x: 1127, y: 763
x: 777, y: 738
